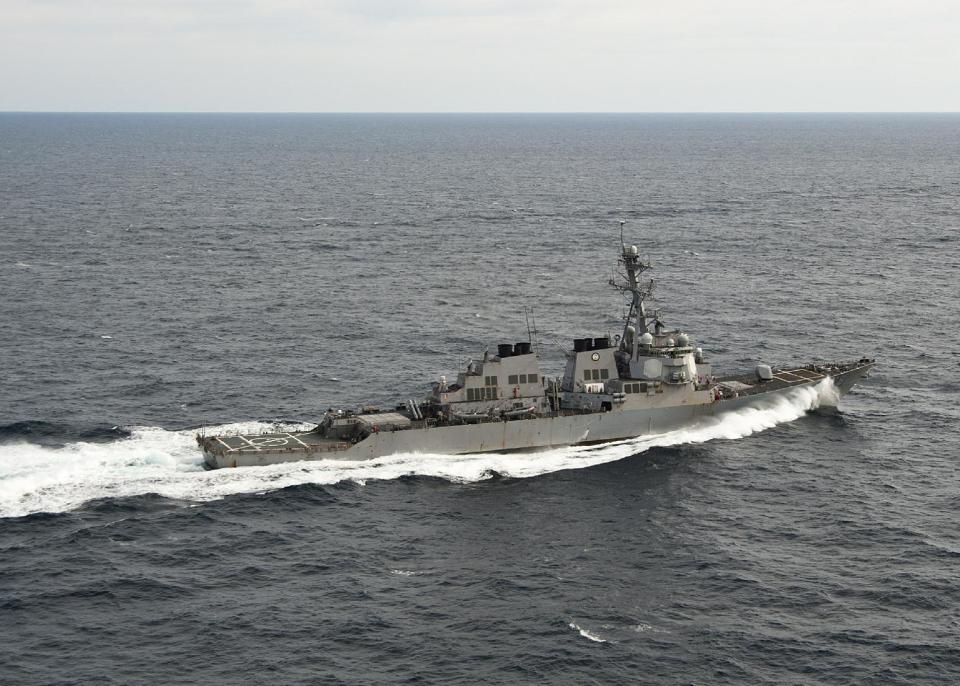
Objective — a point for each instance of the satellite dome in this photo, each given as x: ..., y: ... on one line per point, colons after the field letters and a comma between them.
x: 646, y: 339
x: 683, y: 340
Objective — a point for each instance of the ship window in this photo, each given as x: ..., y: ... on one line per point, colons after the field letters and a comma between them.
x: 643, y: 388
x: 586, y: 374
x: 523, y: 378
x: 531, y: 378
x: 512, y: 380
x: 628, y: 388
x: 469, y: 394
x: 604, y: 373
x: 492, y: 381
x: 596, y: 374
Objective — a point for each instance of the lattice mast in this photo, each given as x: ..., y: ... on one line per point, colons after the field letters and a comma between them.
x: 629, y: 281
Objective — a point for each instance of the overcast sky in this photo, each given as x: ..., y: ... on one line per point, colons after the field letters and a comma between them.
x: 480, y: 55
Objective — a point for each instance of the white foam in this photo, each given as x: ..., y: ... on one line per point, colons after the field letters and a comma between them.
x: 586, y: 634
x: 153, y: 460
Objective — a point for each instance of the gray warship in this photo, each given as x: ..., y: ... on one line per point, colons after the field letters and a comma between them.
x: 648, y: 379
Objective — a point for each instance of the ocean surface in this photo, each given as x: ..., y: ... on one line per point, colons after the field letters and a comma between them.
x: 163, y: 272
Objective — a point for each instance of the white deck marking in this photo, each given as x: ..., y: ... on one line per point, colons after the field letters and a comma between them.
x: 299, y: 441
x: 250, y: 443
x: 807, y: 374
x: 225, y: 445
x: 268, y: 441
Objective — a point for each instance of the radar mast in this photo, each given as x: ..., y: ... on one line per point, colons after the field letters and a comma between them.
x: 629, y: 281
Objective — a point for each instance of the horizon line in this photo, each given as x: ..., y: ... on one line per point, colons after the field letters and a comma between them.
x: 482, y: 112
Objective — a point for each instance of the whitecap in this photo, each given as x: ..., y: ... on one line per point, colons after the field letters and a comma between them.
x: 586, y: 634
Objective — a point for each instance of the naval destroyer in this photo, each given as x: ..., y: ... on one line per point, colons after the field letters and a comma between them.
x: 647, y: 379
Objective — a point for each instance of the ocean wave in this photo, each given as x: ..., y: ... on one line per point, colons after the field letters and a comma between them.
x: 58, y: 433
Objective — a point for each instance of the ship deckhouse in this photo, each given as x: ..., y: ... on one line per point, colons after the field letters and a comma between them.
x: 590, y: 365
x: 507, y: 381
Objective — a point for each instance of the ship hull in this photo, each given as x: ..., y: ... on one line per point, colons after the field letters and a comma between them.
x: 525, y: 434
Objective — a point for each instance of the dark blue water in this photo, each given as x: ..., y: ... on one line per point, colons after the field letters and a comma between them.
x: 159, y: 272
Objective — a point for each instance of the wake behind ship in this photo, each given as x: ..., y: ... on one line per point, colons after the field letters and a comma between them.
x: 648, y: 379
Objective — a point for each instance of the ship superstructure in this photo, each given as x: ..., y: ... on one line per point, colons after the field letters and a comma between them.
x: 647, y: 379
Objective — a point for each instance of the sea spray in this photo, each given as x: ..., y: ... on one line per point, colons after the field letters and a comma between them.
x: 35, y: 478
